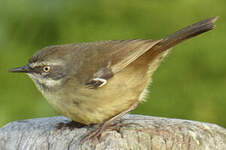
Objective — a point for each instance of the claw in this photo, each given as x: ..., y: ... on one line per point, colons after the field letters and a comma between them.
x: 93, y: 135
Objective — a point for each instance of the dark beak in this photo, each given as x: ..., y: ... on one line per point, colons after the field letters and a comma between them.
x: 24, y: 69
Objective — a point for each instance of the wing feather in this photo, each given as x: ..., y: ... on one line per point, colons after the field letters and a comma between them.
x: 106, y: 58
x: 129, y: 51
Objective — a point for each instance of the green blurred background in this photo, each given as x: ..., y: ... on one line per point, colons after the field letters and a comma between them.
x: 190, y: 83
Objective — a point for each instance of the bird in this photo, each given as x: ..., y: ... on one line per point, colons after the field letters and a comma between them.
x: 99, y: 82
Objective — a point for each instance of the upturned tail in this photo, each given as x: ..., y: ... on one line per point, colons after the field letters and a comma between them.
x: 184, y: 34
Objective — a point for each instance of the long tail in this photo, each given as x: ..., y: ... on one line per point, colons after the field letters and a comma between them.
x: 184, y: 34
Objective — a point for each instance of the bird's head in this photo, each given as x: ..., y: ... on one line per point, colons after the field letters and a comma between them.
x: 48, y: 68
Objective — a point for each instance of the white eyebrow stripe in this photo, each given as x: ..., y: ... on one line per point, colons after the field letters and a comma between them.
x: 35, y: 64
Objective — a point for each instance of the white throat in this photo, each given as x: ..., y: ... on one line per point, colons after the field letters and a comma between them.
x: 48, y: 82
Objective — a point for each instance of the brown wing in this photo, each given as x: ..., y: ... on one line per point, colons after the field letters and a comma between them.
x: 100, y: 77
x: 109, y: 57
x: 128, y: 51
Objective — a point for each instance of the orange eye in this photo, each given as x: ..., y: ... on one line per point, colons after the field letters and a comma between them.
x: 46, y: 68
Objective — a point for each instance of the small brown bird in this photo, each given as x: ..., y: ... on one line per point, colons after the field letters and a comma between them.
x: 97, y: 82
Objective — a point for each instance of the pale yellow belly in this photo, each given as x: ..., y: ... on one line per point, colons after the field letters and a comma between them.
x: 90, y: 106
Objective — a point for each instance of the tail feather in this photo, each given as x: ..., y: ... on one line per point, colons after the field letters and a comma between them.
x: 184, y: 34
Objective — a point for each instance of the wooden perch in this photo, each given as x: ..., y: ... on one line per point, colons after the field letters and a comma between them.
x: 148, y: 133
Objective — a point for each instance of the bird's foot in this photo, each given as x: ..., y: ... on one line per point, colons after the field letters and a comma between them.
x: 111, y: 124
x: 96, y: 134
x: 71, y: 125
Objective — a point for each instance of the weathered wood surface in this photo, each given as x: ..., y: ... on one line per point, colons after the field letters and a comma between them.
x: 154, y: 134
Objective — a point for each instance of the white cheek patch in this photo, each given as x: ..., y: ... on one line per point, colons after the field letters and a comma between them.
x: 50, y: 82
x: 39, y: 80
x: 45, y: 81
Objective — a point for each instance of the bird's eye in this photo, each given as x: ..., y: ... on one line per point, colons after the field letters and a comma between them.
x: 46, y: 68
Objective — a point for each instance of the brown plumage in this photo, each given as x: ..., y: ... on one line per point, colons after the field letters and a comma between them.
x: 94, y: 82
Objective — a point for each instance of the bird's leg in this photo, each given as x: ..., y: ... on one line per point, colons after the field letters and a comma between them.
x: 95, y: 134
